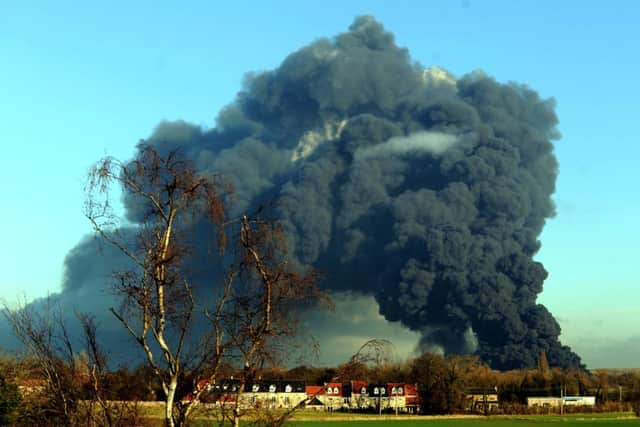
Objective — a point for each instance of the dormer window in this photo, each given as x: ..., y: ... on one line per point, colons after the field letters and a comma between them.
x: 272, y: 388
x: 376, y: 391
x: 399, y: 390
x: 287, y: 388
x: 383, y: 390
x: 336, y: 391
x: 255, y: 388
x: 329, y: 390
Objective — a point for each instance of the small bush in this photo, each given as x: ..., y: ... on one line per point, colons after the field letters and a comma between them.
x: 9, y: 401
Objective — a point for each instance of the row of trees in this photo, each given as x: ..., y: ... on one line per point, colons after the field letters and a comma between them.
x: 444, y: 385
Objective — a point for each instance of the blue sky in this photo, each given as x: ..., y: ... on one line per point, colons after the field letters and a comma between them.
x: 82, y: 79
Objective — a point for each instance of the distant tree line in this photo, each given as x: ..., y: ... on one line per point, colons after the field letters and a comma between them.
x: 443, y: 383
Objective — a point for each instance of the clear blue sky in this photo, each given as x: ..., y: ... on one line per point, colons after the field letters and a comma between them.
x: 81, y: 79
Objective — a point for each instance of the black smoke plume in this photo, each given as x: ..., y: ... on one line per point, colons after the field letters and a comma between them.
x: 426, y: 191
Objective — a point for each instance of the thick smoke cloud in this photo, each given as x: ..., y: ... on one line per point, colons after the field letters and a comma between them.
x: 423, y: 191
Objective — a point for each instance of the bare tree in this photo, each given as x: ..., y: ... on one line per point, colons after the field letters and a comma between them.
x: 73, y: 374
x: 374, y: 354
x: 262, y: 312
x: 100, y: 410
x: 158, y: 304
x: 45, y: 338
x: 252, y: 308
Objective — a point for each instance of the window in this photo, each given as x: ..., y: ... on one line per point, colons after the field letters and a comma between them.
x: 288, y: 389
x: 272, y: 388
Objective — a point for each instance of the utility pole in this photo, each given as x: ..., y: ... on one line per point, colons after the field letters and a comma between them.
x: 485, y: 410
x: 394, y: 390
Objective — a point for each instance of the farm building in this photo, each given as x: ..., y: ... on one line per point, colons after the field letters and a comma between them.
x: 579, y: 400
x: 556, y: 402
x: 479, y: 400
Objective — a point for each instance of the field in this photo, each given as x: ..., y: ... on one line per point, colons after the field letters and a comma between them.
x: 601, y: 420
x: 307, y: 418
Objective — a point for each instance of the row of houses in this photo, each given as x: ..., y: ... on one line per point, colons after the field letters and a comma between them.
x: 354, y: 395
x: 357, y: 396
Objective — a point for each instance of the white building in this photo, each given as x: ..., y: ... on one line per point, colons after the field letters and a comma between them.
x: 556, y: 402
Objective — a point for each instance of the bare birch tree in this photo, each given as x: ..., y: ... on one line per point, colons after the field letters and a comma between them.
x: 252, y: 305
x: 158, y: 305
x: 263, y: 309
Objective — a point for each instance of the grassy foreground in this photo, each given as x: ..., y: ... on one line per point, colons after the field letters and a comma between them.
x: 600, y: 420
x: 306, y: 418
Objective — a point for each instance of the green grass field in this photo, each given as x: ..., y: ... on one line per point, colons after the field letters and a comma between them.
x: 498, y: 421
x: 318, y: 418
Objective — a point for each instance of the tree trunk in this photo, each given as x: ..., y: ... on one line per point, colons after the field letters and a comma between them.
x: 168, y: 409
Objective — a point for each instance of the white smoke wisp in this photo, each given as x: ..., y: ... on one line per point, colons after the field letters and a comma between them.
x: 313, y: 138
x: 436, y: 77
x: 431, y: 142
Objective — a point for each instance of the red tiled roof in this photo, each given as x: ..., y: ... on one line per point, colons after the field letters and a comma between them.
x: 397, y: 386
x: 356, y: 386
x: 331, y: 389
x: 410, y: 390
x: 314, y: 390
x: 202, y: 384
